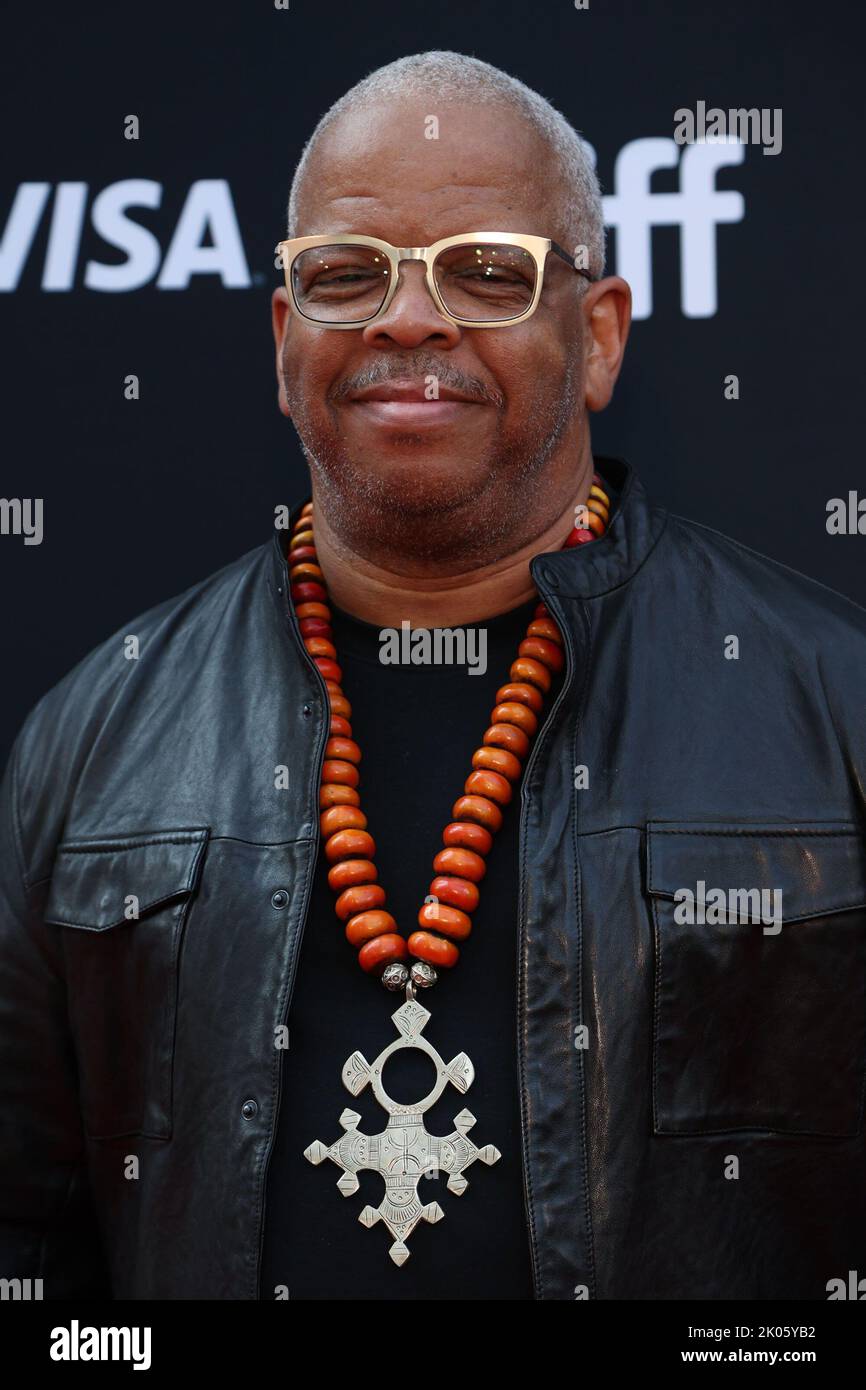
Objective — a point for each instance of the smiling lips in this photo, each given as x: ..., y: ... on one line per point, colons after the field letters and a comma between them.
x: 404, y: 404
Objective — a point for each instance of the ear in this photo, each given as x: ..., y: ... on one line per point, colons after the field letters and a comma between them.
x: 281, y: 315
x: 607, y: 314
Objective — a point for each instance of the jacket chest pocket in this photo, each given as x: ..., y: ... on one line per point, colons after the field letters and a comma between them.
x: 759, y: 1017
x: 121, y: 903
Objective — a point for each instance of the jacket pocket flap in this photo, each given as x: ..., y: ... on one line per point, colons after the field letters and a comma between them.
x: 103, y: 882
x: 817, y: 868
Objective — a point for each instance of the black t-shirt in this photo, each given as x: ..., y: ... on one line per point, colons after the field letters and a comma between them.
x: 417, y: 727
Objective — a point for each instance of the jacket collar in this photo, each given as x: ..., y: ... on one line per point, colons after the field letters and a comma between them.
x: 585, y: 571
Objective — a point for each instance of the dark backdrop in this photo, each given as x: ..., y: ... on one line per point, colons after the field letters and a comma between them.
x: 142, y: 498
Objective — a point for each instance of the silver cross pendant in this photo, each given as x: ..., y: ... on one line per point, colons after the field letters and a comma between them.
x: 404, y: 1152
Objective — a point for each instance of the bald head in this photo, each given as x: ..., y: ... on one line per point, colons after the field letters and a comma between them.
x: 401, y: 117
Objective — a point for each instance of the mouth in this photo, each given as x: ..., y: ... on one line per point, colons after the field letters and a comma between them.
x: 405, y: 404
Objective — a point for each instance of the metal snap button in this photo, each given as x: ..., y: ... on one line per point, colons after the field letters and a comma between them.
x: 280, y: 899
x: 249, y: 1109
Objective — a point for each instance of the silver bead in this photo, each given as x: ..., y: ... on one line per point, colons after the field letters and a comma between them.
x: 394, y: 976
x: 423, y: 975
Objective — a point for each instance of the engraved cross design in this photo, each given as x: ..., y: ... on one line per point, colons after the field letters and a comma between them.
x: 404, y: 1152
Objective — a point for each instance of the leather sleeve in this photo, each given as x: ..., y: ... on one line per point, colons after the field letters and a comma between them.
x: 48, y: 1229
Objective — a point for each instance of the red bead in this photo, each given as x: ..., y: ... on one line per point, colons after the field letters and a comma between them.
x: 467, y: 835
x: 450, y: 921
x: 526, y: 668
x: 521, y: 692
x: 315, y: 627
x: 578, y: 536
x: 350, y: 844
x: 337, y: 794
x: 434, y: 949
x: 508, y: 736
x: 512, y: 712
x: 329, y: 669
x: 497, y: 760
x: 456, y: 892
x: 359, y: 898
x: 483, y: 782
x: 382, y: 951
x: 463, y: 862
x: 347, y: 872
x: 479, y: 808
x: 308, y: 592
x: 336, y: 770
x: 340, y: 727
x: 541, y: 650
x: 345, y: 748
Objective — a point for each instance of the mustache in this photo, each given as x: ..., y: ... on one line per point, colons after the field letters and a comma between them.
x: 414, y: 366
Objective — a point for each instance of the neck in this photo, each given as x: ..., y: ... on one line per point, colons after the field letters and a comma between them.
x: 378, y: 594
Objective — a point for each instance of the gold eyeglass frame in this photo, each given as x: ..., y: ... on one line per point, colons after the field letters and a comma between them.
x: 537, y: 246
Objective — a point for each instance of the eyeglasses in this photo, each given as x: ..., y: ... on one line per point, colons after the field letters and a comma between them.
x: 476, y: 279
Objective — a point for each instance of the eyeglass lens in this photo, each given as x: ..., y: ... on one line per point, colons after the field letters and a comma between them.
x: 480, y: 281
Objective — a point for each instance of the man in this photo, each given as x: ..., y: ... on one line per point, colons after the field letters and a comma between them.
x: 662, y: 992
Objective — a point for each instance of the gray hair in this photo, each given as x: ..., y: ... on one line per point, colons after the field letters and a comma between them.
x: 455, y: 76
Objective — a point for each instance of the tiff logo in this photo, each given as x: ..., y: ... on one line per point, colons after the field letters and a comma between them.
x: 697, y: 208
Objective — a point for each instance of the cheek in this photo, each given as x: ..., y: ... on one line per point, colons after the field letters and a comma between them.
x: 533, y: 364
x: 311, y: 362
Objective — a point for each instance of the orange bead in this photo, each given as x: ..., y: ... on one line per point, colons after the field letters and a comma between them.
x: 598, y: 508
x: 541, y: 650
x: 313, y: 610
x: 344, y: 748
x: 320, y: 646
x: 498, y: 760
x: 487, y: 813
x: 359, y: 898
x: 434, y: 949
x: 350, y: 844
x: 340, y: 727
x: 382, y: 951
x: 335, y: 770
x: 491, y: 784
x: 523, y: 694
x: 339, y: 704
x: 545, y: 627
x: 594, y: 523
x: 508, y: 736
x: 329, y: 669
x: 525, y: 669
x: 342, y: 818
x: 450, y: 921
x: 511, y: 712
x: 308, y: 568
x: 456, y: 892
x: 468, y: 835
x: 348, y: 872
x: 304, y: 537
x: 465, y: 863
x: 363, y: 926
x: 335, y: 794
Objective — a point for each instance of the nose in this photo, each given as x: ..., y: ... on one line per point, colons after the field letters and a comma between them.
x: 412, y: 317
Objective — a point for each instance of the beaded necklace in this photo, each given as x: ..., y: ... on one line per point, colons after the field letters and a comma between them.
x: 404, y: 1152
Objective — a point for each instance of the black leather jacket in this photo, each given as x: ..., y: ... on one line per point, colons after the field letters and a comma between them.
x: 702, y: 1138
